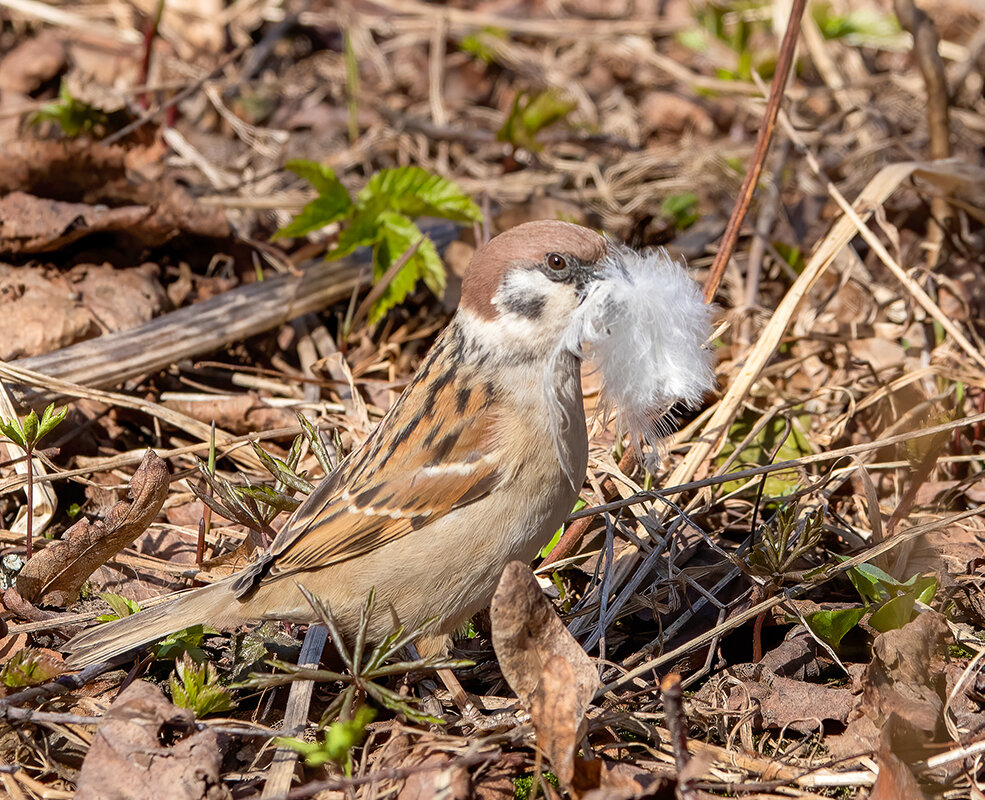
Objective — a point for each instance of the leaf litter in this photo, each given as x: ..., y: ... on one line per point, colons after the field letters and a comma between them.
x: 843, y: 332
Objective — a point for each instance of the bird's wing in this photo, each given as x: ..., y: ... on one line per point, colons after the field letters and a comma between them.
x: 433, y: 452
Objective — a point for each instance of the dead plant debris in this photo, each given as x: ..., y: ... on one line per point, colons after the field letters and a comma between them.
x: 805, y: 556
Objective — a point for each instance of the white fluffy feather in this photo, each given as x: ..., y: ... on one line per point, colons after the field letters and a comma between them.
x: 644, y: 325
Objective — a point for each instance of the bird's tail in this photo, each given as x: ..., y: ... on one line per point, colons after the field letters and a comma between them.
x: 213, y: 605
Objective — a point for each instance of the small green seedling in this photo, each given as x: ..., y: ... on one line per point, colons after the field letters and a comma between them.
x: 382, y: 217
x: 338, y: 740
x: 73, y: 116
x: 531, y: 114
x: 197, y: 688
x: 26, y: 435
x: 120, y: 607
x: 890, y: 601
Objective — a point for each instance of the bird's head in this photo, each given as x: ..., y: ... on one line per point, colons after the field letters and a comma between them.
x: 526, y: 283
x: 547, y: 290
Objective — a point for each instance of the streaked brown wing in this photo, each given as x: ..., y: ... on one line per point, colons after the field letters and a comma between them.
x: 431, y: 454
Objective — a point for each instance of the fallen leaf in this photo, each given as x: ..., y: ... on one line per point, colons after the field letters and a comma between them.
x: 30, y: 224
x: 45, y: 310
x: 552, y: 675
x: 895, y: 780
x: 901, y: 680
x: 31, y: 63
x: 56, y: 574
x: 146, y: 747
x: 556, y: 717
x: 526, y: 633
x: 443, y: 778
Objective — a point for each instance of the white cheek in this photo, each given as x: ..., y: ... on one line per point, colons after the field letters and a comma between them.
x: 533, y: 309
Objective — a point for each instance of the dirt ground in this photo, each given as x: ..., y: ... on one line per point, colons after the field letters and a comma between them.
x: 787, y: 601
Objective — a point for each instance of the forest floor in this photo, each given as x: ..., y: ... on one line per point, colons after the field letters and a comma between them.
x: 814, y: 628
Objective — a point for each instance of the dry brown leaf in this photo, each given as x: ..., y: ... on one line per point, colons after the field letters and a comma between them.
x: 128, y: 760
x: 901, y: 681
x: 895, y: 781
x: 45, y: 310
x: 440, y: 777
x: 30, y: 224
x: 556, y: 716
x: 550, y: 672
x: 31, y: 63
x: 55, y: 575
x: 526, y: 633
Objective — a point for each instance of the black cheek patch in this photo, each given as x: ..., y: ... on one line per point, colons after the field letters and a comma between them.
x: 523, y: 305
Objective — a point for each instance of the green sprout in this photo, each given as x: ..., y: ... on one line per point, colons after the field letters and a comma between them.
x: 26, y: 435
x: 197, y: 687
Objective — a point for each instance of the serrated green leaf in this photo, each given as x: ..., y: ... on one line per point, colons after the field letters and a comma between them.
x: 894, y: 613
x: 50, y: 419
x: 198, y: 689
x: 832, y: 625
x: 417, y: 193
x: 363, y: 230
x: 314, y: 216
x: 321, y: 176
x: 12, y: 430
x: 399, y: 234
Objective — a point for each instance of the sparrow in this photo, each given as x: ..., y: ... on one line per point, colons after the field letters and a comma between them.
x: 481, y: 458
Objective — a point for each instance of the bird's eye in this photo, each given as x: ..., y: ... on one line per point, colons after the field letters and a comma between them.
x: 556, y: 261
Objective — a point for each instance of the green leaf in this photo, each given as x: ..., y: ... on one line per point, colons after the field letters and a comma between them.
x: 314, y: 216
x: 332, y: 204
x: 925, y: 589
x: 337, y: 742
x: 29, y: 667
x: 363, y: 231
x: 868, y: 586
x: 120, y: 606
x: 530, y: 115
x: 31, y: 428
x: 681, y: 208
x: 479, y: 44
x: 320, y: 176
x: 894, y: 613
x: 187, y: 641
x: 832, y: 626
x: 198, y: 688
x: 398, y: 235
x: 50, y: 420
x: 417, y: 193
x: 14, y: 431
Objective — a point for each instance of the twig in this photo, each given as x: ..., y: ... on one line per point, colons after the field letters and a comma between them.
x: 296, y: 714
x: 925, y: 47
x: 672, y: 696
x: 126, y: 130
x: 783, y: 63
x: 785, y: 596
x: 380, y: 286
x: 752, y: 472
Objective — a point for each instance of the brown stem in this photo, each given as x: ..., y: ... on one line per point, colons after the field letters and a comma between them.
x: 673, y: 703
x: 783, y: 63
x: 30, y: 503
x: 757, y: 638
x: 576, y: 530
